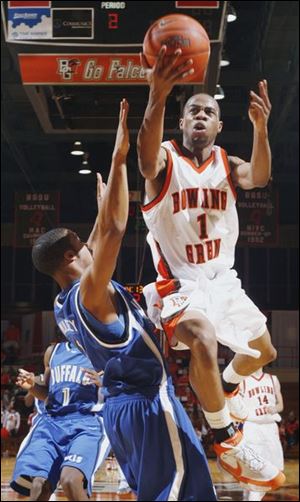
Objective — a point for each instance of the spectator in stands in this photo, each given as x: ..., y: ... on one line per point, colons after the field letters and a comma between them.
x: 6, y: 399
x: 11, y: 338
x: 3, y: 413
x: 11, y: 343
x: 5, y: 378
x: 292, y: 430
x: 12, y: 419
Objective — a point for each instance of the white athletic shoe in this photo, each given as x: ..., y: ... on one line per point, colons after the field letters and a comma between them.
x: 123, y: 487
x: 250, y: 469
x: 237, y: 409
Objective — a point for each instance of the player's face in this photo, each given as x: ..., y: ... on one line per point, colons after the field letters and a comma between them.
x: 84, y: 254
x: 200, y: 123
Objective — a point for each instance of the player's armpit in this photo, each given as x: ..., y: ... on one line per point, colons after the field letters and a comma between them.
x: 241, y: 173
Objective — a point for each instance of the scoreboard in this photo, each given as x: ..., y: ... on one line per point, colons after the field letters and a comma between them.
x: 107, y: 24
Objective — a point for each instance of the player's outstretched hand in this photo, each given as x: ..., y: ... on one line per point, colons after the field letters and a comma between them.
x: 101, y: 187
x: 166, y: 72
x: 260, y: 107
x: 92, y: 377
x: 122, y: 138
x: 25, y: 379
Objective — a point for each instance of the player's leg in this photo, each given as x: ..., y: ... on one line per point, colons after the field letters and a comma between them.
x: 197, y: 333
x: 194, y: 330
x: 242, y: 366
x: 245, y: 365
x: 35, y: 462
x: 148, y: 433
x: 123, y: 486
x: 72, y: 482
x: 40, y: 489
x: 87, y: 449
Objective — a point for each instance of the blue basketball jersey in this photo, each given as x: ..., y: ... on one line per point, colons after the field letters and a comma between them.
x: 131, y: 357
x: 69, y: 390
x: 40, y: 410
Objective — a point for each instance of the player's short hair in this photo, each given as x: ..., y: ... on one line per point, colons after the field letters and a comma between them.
x: 204, y: 94
x: 48, y: 250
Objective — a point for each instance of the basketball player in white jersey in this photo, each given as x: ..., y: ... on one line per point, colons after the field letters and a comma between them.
x: 191, y: 215
x: 262, y: 396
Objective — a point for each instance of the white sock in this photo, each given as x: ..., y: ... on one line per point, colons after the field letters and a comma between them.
x: 230, y: 376
x: 251, y: 495
x: 218, y: 419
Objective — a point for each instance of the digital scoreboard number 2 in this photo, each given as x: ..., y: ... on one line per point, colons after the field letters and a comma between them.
x: 113, y: 20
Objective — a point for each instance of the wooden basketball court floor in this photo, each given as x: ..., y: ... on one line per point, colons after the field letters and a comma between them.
x: 106, y: 484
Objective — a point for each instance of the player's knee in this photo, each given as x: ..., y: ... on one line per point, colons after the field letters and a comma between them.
x: 71, y: 479
x: 38, y: 483
x: 205, y: 348
x: 40, y: 489
x: 204, y: 343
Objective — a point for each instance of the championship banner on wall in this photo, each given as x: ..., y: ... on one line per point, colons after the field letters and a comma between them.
x: 258, y: 217
x: 35, y: 214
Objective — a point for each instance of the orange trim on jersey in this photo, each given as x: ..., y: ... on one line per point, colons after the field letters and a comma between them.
x: 259, y: 378
x: 167, y: 286
x: 198, y: 169
x: 163, y: 266
x: 227, y: 169
x: 169, y: 327
x: 165, y: 187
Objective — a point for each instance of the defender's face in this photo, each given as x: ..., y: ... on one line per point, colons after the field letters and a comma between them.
x: 83, y: 253
x: 200, y: 123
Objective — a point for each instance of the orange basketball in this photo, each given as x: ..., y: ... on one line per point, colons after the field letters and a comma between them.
x: 179, y: 31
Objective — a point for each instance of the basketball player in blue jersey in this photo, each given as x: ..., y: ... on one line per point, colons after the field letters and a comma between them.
x: 67, y: 443
x: 190, y: 211
x: 150, y: 434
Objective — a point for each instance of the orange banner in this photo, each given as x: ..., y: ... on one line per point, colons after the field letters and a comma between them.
x: 81, y: 69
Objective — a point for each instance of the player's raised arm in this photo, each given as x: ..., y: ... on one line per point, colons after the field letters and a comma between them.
x: 257, y: 172
x: 161, y: 79
x: 92, y: 240
x: 112, y: 220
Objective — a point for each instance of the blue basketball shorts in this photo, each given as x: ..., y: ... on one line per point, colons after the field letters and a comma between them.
x: 74, y: 440
x: 157, y: 447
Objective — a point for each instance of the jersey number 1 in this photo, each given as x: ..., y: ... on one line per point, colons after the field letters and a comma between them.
x: 66, y: 394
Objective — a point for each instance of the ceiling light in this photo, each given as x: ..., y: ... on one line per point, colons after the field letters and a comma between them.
x: 85, y: 166
x: 231, y: 14
x: 84, y: 171
x: 224, y: 59
x: 77, y: 148
x: 219, y: 94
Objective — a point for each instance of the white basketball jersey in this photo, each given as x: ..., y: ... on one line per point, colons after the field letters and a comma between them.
x: 258, y: 394
x: 193, y: 221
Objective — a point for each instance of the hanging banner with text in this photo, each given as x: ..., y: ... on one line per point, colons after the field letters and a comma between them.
x: 258, y: 217
x: 82, y: 69
x: 35, y: 214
